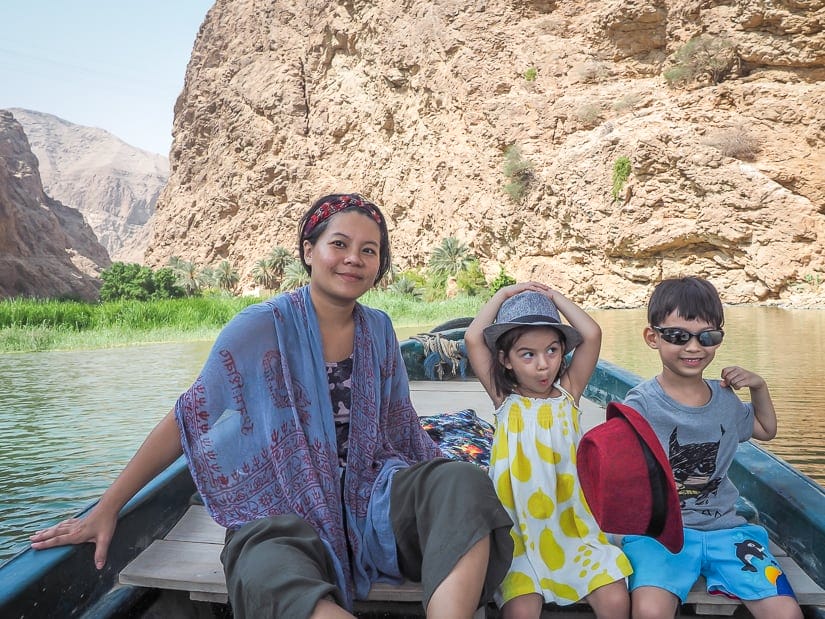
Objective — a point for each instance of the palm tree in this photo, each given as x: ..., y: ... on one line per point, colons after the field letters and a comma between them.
x: 280, y: 257
x: 450, y: 258
x: 186, y: 274
x: 208, y: 278
x: 263, y: 274
x: 404, y: 285
x: 226, y: 277
x: 295, y: 275
x: 268, y: 272
x: 175, y: 262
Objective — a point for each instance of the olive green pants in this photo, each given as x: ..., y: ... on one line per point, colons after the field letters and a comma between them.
x: 278, y: 566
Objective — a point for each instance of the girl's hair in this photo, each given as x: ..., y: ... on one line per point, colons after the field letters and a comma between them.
x: 689, y: 297
x: 316, y: 220
x: 503, y: 378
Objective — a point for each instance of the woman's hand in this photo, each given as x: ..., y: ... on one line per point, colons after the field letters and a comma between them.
x: 160, y: 449
x: 97, y: 527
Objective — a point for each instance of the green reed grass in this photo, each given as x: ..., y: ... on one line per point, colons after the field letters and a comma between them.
x: 407, y: 311
x: 138, y: 315
x: 31, y: 325
x: 34, y: 325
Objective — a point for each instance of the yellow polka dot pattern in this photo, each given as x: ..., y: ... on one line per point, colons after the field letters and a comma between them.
x: 560, y: 553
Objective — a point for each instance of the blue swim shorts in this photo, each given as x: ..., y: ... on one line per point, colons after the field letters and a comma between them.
x: 735, y: 562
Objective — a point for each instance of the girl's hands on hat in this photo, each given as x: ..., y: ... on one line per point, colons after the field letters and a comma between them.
x: 510, y: 291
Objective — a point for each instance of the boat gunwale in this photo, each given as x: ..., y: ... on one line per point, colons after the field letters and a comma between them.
x: 53, y: 573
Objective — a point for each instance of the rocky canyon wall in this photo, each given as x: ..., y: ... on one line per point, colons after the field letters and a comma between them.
x: 114, y: 185
x: 415, y: 104
x: 47, y: 249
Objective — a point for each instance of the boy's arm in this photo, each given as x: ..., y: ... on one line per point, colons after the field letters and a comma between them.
x: 764, y: 414
x: 480, y: 356
x: 587, y: 353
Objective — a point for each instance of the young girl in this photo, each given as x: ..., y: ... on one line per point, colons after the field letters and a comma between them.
x: 560, y: 555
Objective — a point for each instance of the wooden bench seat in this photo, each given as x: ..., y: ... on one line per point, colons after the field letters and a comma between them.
x: 188, y: 559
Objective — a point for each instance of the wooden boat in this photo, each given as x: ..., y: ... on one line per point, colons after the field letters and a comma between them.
x: 186, y: 579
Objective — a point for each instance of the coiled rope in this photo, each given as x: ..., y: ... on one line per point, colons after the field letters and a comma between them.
x: 442, y: 357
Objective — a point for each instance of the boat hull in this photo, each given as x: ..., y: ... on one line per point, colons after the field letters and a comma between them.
x: 63, y: 582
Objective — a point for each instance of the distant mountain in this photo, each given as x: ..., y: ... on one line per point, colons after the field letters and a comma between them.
x: 113, y: 184
x: 47, y: 249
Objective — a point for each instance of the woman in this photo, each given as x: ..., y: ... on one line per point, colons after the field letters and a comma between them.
x: 302, y: 440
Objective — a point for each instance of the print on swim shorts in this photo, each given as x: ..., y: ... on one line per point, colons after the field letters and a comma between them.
x: 751, y: 553
x: 747, y: 551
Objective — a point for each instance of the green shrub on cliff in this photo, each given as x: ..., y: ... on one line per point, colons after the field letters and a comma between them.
x: 518, y: 171
x: 705, y: 59
x: 621, y: 172
x: 501, y: 280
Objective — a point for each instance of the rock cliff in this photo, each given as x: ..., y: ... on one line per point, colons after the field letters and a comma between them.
x: 46, y: 248
x: 113, y: 184
x: 416, y: 103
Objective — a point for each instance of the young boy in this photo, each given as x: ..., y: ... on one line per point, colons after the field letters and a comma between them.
x: 700, y: 423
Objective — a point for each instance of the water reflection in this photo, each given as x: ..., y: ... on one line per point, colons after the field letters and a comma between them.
x: 69, y: 422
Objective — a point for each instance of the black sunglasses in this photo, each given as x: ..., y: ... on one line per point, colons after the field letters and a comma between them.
x: 675, y: 335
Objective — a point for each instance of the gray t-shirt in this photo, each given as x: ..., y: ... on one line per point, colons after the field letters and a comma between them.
x: 700, y: 442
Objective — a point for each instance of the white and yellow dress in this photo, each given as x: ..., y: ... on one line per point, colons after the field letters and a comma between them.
x: 560, y: 552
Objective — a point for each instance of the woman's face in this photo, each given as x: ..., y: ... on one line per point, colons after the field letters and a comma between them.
x: 345, y: 258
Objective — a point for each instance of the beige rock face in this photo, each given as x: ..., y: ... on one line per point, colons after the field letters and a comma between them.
x: 414, y: 104
x: 113, y: 184
x: 46, y: 249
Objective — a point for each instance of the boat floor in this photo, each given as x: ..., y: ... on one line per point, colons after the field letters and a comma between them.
x: 185, y: 565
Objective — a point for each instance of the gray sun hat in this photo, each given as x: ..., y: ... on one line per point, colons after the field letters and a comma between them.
x: 529, y: 309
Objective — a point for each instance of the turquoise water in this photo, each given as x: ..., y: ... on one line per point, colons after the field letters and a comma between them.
x: 69, y: 421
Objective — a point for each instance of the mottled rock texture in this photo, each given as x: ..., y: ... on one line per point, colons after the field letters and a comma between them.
x: 415, y: 103
x: 46, y: 248
x: 113, y: 184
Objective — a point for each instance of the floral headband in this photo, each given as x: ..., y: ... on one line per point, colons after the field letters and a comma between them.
x: 336, y: 205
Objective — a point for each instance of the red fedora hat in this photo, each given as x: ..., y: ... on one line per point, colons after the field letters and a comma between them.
x: 627, y: 480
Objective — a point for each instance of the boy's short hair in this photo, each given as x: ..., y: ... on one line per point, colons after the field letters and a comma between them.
x: 689, y: 297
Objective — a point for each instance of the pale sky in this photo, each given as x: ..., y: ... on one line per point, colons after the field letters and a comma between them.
x: 114, y: 64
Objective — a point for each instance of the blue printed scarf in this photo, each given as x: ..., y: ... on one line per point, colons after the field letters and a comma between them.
x: 257, y: 425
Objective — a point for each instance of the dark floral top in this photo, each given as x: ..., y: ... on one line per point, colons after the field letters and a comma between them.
x: 339, y: 376
x: 462, y: 435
